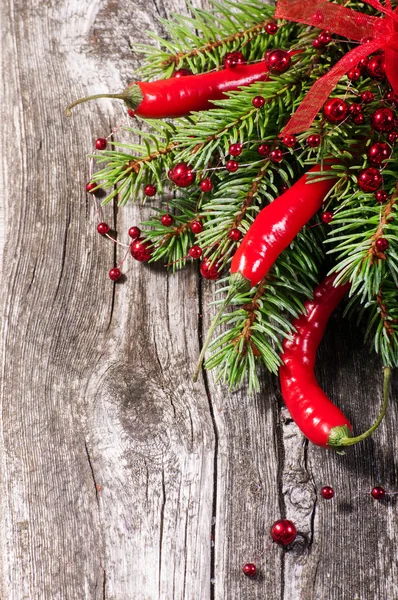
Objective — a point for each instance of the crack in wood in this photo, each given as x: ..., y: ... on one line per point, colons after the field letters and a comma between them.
x: 96, y: 486
x: 161, y: 529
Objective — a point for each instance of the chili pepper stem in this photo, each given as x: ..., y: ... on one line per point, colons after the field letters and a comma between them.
x: 238, y: 284
x: 340, y: 437
x: 132, y: 96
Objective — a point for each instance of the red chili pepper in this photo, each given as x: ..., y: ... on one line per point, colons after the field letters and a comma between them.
x: 271, y: 232
x: 177, y: 97
x: 317, y: 417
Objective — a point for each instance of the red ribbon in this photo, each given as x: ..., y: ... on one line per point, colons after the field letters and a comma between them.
x: 374, y: 33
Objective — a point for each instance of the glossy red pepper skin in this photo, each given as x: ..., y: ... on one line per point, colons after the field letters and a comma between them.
x: 277, y: 225
x: 308, y: 405
x: 179, y: 96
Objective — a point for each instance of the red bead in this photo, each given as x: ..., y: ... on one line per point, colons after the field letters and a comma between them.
x: 249, y: 569
x: 232, y: 166
x: 381, y: 196
x: 206, y: 185
x: 100, y: 143
x: 327, y: 217
x: 363, y: 63
x: 355, y: 109
x: 181, y: 73
x: 90, y: 187
x: 276, y: 155
x: 141, y: 250
x: 284, y: 187
x: 325, y: 38
x: 370, y: 179
x: 209, y: 270
x: 263, y: 149
x: 378, y: 493
x: 393, y: 137
x: 335, y: 110
x: 383, y: 119
x: 283, y: 532
x: 289, y: 141
x: 392, y: 98
x: 327, y: 492
x: 235, y: 235
x: 103, y: 228
x: 379, y: 152
x: 182, y: 175
x: 134, y: 232
x: 149, y: 190
x: 115, y: 274
x: 166, y: 220
x: 354, y: 74
x: 367, y: 97
x: 382, y: 244
x: 317, y: 44
x: 359, y: 119
x: 278, y: 61
x: 314, y: 140
x: 195, y: 252
x: 196, y: 227
x: 271, y: 28
x: 234, y: 59
x: 376, y: 67
x: 235, y: 149
x: 258, y: 101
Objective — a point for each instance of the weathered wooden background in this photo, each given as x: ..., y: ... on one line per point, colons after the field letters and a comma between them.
x: 119, y: 479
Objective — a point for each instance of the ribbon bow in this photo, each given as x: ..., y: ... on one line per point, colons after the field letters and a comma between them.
x: 374, y: 33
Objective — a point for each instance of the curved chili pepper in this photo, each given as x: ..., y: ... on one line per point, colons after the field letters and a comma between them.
x: 317, y: 417
x: 178, y: 96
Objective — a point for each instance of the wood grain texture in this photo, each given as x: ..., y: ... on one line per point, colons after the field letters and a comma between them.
x: 119, y: 479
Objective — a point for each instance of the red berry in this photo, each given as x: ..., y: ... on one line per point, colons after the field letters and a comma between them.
x: 182, y: 175
x: 283, y: 532
x: 354, y: 74
x: 90, y: 187
x: 317, y: 44
x: 383, y: 119
x: 149, y: 190
x: 100, y: 143
x: 335, y: 110
x: 166, y: 220
x: 235, y: 235
x: 271, y: 28
x: 289, y: 141
x: 141, y: 250
x: 232, y: 166
x: 103, y: 228
x: 363, y: 63
x: 181, y: 73
x: 359, y: 119
x: 381, y: 196
x: 206, y: 185
x: 393, y: 137
x: 131, y: 113
x: 355, y: 109
x: 327, y: 492
x: 370, y: 179
x: 382, y: 244
x: 235, y: 149
x: 276, y: 155
x: 278, y: 61
x: 234, y: 59
x: 195, y: 252
x: 325, y: 38
x: 378, y: 493
x: 263, y: 149
x: 376, y: 67
x: 367, y: 97
x: 314, y: 140
x: 258, y: 101
x: 209, y: 270
x: 196, y: 227
x: 134, y: 232
x: 115, y: 274
x: 379, y: 152
x: 249, y: 569
x: 392, y: 98
x: 327, y: 217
